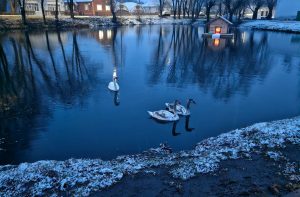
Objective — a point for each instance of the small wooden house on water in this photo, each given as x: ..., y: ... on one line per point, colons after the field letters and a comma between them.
x: 218, y: 26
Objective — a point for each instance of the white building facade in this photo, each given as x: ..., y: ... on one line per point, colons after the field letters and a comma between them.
x: 287, y: 9
x: 34, y: 7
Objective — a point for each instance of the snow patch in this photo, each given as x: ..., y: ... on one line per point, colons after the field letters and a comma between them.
x: 81, y: 177
x: 286, y: 26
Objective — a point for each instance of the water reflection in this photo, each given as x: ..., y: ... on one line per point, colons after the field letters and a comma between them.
x: 27, y: 82
x: 47, y: 77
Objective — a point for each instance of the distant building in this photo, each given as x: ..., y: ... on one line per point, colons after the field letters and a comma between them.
x: 33, y: 7
x: 219, y: 25
x: 90, y: 7
x: 287, y: 9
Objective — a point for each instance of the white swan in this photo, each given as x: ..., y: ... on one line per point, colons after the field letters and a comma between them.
x: 181, y: 110
x: 113, y: 85
x: 164, y: 115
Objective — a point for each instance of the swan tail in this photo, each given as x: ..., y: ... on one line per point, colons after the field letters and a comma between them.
x: 150, y: 113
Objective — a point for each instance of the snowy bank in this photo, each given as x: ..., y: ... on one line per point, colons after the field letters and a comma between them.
x: 85, y: 176
x: 284, y: 26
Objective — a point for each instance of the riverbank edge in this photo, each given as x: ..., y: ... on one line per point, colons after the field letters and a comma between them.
x: 273, y: 25
x: 15, y: 23
x: 85, y: 176
x: 8, y: 23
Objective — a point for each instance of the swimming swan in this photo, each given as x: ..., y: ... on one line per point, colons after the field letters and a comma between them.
x: 165, y: 115
x: 181, y: 110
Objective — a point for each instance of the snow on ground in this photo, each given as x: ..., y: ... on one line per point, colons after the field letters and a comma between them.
x: 286, y: 26
x: 85, y: 176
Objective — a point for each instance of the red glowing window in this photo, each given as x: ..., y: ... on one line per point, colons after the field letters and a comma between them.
x: 218, y: 30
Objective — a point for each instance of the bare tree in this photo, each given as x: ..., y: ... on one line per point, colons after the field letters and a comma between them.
x: 208, y: 5
x: 13, y: 6
x: 271, y: 4
x: 161, y: 6
x: 23, y: 11
x: 113, y: 10
x: 71, y: 8
x: 255, y: 5
x: 56, y: 11
x: 43, y: 11
x: 233, y: 6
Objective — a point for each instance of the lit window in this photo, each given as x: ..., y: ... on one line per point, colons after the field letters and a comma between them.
x: 107, y: 8
x: 99, y: 7
x: 216, y: 42
x: 218, y: 30
x: 86, y: 7
x: 100, y: 35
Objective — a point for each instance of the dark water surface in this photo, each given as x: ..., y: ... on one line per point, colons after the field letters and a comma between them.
x: 54, y: 101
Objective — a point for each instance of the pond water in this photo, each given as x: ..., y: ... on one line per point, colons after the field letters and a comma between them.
x: 55, y: 103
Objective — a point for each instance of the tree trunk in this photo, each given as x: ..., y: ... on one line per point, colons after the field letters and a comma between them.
x: 56, y: 11
x: 161, y: 7
x: 207, y: 14
x: 230, y: 16
x: 23, y: 11
x: 270, y: 14
x: 43, y: 12
x: 71, y: 7
x: 112, y: 10
x: 255, y: 12
x: 12, y: 7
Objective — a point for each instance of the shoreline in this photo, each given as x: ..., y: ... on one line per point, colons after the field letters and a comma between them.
x: 10, y: 23
x: 268, y: 141
x: 14, y: 22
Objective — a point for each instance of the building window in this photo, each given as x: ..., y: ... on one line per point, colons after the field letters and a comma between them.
x: 99, y: 7
x: 52, y: 7
x: 262, y: 13
x: 32, y: 7
x: 107, y: 8
x: 218, y: 30
x: 86, y: 7
x: 267, y: 13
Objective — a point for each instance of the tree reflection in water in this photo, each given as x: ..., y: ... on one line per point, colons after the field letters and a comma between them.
x: 41, y: 72
x: 26, y: 77
x: 187, y: 58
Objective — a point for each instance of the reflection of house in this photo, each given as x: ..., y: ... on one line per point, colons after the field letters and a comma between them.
x: 287, y: 9
x: 104, y: 36
x: 216, y: 44
x: 90, y: 7
x: 34, y: 7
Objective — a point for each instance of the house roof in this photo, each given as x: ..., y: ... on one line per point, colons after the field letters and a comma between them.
x: 222, y: 18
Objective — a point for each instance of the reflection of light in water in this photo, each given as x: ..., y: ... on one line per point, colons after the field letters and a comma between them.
x: 169, y: 61
x: 114, y: 73
x: 216, y: 42
x: 100, y: 34
x: 108, y: 34
x: 244, y: 37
